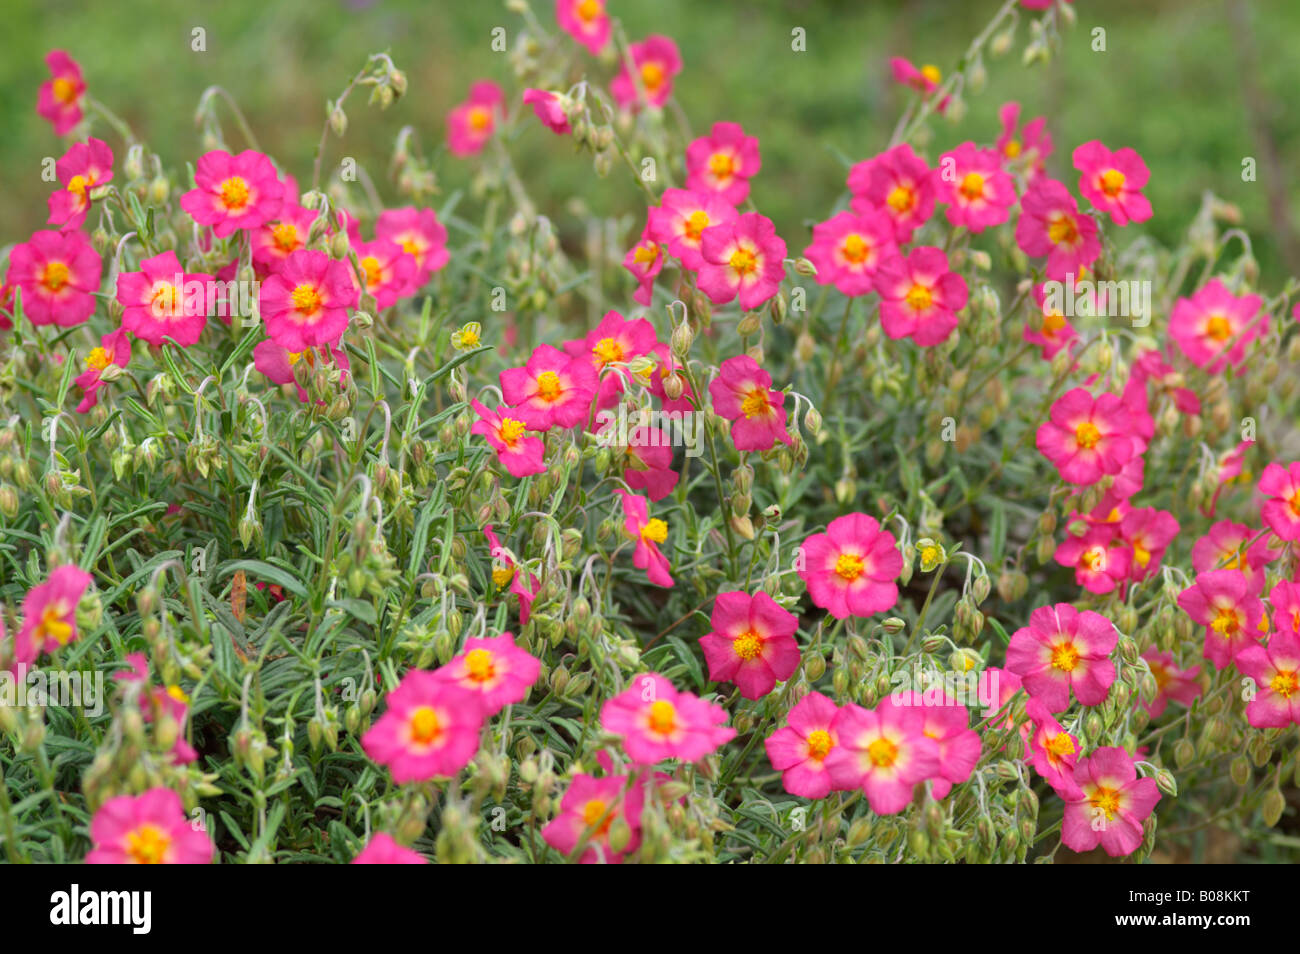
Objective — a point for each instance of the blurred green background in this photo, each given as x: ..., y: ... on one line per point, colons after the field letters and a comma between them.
x: 1193, y: 85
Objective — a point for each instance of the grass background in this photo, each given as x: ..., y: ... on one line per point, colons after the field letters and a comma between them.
x: 1193, y: 85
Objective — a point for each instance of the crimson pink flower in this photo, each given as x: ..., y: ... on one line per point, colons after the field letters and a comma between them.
x: 1053, y: 752
x: 157, y: 702
x: 947, y: 722
x: 979, y: 194
x: 50, y: 613
x: 278, y: 364
x: 276, y: 241
x: 519, y: 452
x: 919, y: 296
x: 645, y: 260
x: 1062, y: 649
x: 1224, y: 602
x: 851, y: 569
x: 1148, y: 532
x: 657, y: 722
x: 1027, y: 147
x: 147, y: 829
x: 1050, y: 224
x: 723, y: 162
x: 744, y: 259
x: 83, y: 167
x: 799, y: 749
x: 1100, y: 561
x: 114, y: 348
x: 656, y: 61
x: 680, y: 219
x: 305, y: 304
x: 1113, y: 181
x: 506, y: 573
x: 1152, y: 367
x: 1224, y: 548
x: 926, y: 79
x: 898, y: 183
x: 495, y: 671
x: 471, y: 124
x: 60, y: 96
x: 388, y: 273
x: 551, y: 390
x: 160, y: 301
x: 1086, y: 437
x: 1056, y: 332
x: 549, y: 109
x: 588, y: 810
x: 1281, y: 508
x: 1276, y: 671
x: 586, y: 21
x: 648, y: 533
x: 234, y: 192
x: 849, y: 247
x: 615, y: 341
x: 884, y: 752
x: 1111, y: 806
x: 1180, y: 685
x: 751, y: 644
x: 58, y: 273
x: 650, y: 460
x: 430, y: 729
x: 383, y: 850
x: 742, y: 393
x: 1285, y: 601
x: 1204, y: 324
x: 420, y: 234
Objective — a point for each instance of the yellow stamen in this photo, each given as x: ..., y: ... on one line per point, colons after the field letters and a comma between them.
x: 882, y: 753
x: 479, y: 663
x: 819, y: 744
x: 1086, y: 435
x: 755, y: 403
x: 919, y: 298
x: 748, y: 645
x: 234, y: 193
x: 147, y: 845
x: 972, y: 186
x: 855, y: 250
x: 655, y: 531
x: 549, y: 386
x: 55, y: 276
x: 425, y: 726
x: 1112, y: 182
x: 1065, y: 657
x: 663, y: 716
x: 306, y: 300
x: 849, y: 566
x: 744, y: 261
x: 510, y: 431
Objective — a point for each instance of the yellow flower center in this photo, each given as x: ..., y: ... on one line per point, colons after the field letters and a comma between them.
x: 165, y: 300
x: 1012, y: 148
x: 748, y: 645
x: 1052, y: 323
x: 663, y: 716
x: 722, y: 165
x: 53, y: 625
x: 1093, y: 559
x: 1225, y: 622
x: 1059, y: 745
x: 1218, y: 328
x: 588, y: 10
x: 177, y: 693
x: 55, y: 276
x: 425, y: 727
x: 78, y: 185
x: 1285, y: 683
x: 1062, y: 229
x: 479, y: 664
x: 502, y: 575
x: 855, y: 250
x: 285, y: 236
x: 549, y: 387
x: 1107, y: 799
x: 147, y: 845
x: 655, y: 531
x: 373, y: 270
x: 480, y: 119
x: 1294, y: 503
x: 744, y: 261
x: 65, y: 90
x: 972, y: 186
x: 901, y: 199
x: 696, y: 223
x: 931, y: 73
x: 882, y: 753
x: 306, y: 300
x: 755, y: 403
x: 1112, y: 182
x: 99, y: 359
x: 607, y: 350
x: 510, y: 431
x: 593, y: 812
x: 646, y: 254
x: 849, y: 566
x: 819, y: 744
x: 1086, y: 435
x: 1141, y: 555
x: 411, y: 247
x: 234, y: 193
x: 652, y: 76
x: 1065, y: 656
x: 919, y: 298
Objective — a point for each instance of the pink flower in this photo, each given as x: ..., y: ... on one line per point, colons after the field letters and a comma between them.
x: 948, y: 724
x: 648, y: 533
x: 1276, y: 671
x: 615, y: 341
x: 1086, y: 437
x: 919, y: 296
x: 1148, y: 532
x: 657, y: 722
x: 742, y: 258
x: 1053, y: 752
x: 1204, y: 324
x: 519, y: 452
x: 1113, y: 181
x: 979, y: 194
x: 420, y: 234
x: 751, y: 644
x: 278, y: 364
x: 551, y: 390
x: 505, y: 572
x: 1112, y: 804
x: 495, y: 671
x: 274, y: 242
x: 1056, y: 332
x: 549, y: 108
x: 1030, y: 148
x: 1152, y: 367
x: 926, y: 79
x: 1281, y: 508
x: 1100, y: 563
x: 114, y: 348
x: 899, y: 184
x: 1224, y: 547
x: 58, y: 273
x: 1062, y: 649
x: 742, y: 393
x: 382, y: 850
x: 471, y: 124
x: 588, y: 810
x: 723, y: 162
x: 158, y: 703
x: 388, y: 273
x: 1285, y: 601
x: 148, y: 829
x: 50, y: 613
x: 1224, y: 602
x: 234, y: 192
x: 306, y: 303
x: 799, y: 749
x: 884, y: 752
x: 849, y: 247
x: 851, y: 568
x: 1180, y: 685
x: 83, y: 167
x: 680, y: 219
x: 160, y: 301
x: 650, y: 463
x: 1050, y: 224
x: 586, y: 21
x: 59, y: 99
x: 430, y: 729
x: 656, y: 61
x: 645, y: 260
